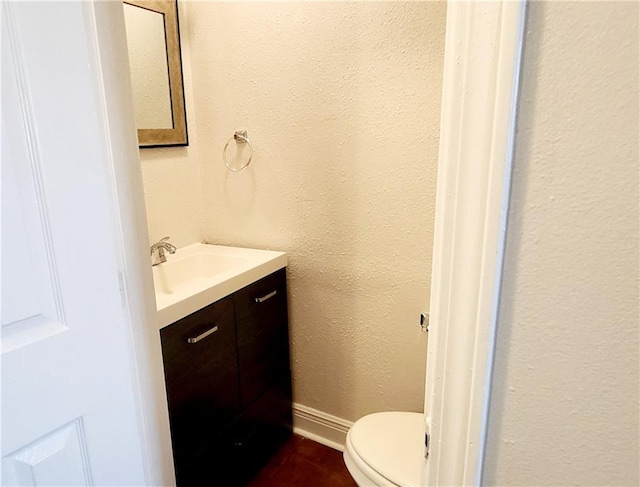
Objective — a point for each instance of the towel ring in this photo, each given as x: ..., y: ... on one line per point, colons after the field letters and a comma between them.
x: 240, y: 136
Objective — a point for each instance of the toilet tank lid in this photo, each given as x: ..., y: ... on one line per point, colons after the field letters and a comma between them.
x: 391, y: 443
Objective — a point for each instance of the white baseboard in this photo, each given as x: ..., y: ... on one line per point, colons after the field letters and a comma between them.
x: 319, y: 426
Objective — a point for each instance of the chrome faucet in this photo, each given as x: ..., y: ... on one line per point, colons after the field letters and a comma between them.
x: 159, y: 257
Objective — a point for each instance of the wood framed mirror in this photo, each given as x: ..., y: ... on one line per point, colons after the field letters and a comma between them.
x: 155, y: 61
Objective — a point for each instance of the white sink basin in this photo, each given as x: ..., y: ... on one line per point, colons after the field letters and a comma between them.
x: 200, y: 274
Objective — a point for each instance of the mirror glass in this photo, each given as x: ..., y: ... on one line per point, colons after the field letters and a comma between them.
x: 156, y: 72
x: 149, y: 67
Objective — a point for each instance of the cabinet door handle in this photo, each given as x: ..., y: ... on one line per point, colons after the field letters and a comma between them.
x: 203, y: 335
x: 266, y: 296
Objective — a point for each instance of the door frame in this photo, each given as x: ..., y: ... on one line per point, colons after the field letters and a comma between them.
x: 105, y: 24
x: 483, y: 49
x: 483, y: 46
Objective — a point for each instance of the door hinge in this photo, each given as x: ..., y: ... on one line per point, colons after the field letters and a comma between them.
x: 427, y: 437
x: 424, y: 322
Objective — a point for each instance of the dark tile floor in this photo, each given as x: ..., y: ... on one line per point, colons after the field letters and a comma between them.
x: 304, y: 463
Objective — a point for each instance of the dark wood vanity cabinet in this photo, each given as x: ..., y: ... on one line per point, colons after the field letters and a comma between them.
x: 229, y: 384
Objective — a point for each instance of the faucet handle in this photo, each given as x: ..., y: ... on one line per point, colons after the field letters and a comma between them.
x: 170, y: 247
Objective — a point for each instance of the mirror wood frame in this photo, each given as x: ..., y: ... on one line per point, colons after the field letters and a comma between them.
x: 176, y: 136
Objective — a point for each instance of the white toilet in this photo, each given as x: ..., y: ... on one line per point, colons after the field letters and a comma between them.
x: 385, y: 449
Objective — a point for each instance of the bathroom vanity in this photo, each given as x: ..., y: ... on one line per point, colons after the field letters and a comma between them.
x: 226, y: 364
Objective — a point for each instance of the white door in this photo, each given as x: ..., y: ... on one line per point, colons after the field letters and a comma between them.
x: 68, y: 393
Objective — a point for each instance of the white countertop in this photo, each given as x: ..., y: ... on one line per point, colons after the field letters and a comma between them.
x: 200, y: 274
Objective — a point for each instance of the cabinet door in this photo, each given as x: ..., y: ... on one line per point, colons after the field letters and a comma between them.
x: 263, y: 338
x: 201, y: 371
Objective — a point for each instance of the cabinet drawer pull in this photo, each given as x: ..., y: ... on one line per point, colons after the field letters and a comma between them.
x: 203, y: 335
x: 267, y: 296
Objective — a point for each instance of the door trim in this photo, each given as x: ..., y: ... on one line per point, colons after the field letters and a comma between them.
x: 483, y: 47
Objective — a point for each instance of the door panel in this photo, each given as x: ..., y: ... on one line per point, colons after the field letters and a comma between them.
x: 31, y: 305
x: 68, y: 405
x: 58, y: 458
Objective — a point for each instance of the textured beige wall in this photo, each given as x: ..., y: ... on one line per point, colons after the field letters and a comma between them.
x: 565, y: 396
x: 172, y: 195
x: 342, y: 104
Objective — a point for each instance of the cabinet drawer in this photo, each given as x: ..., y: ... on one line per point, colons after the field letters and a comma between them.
x: 263, y: 337
x: 200, y: 365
